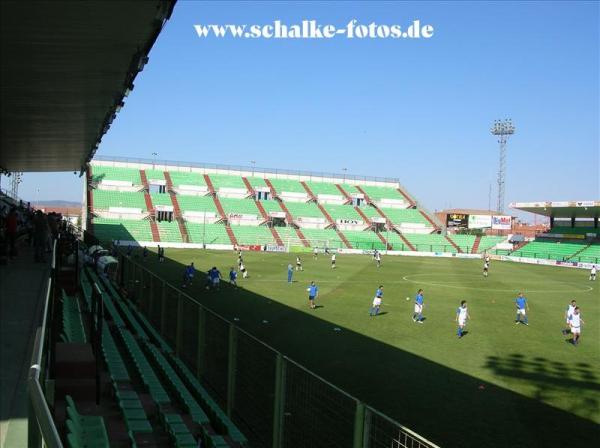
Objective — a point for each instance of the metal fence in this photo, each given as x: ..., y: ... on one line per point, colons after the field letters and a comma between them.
x: 275, y: 401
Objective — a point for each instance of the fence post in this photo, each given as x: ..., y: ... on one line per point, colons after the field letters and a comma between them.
x: 367, y: 425
x: 359, y: 426
x: 201, y: 329
x: 179, y: 328
x: 279, y: 403
x: 163, y: 309
x: 231, y: 369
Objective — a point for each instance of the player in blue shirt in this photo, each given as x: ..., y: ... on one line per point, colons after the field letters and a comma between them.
x: 522, y: 309
x: 374, y: 311
x: 313, y: 292
x: 418, y: 312
x: 215, y: 277
x: 233, y: 277
x: 188, y: 275
x: 290, y: 272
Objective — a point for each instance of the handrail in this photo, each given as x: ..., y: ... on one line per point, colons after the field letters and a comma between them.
x: 40, y: 417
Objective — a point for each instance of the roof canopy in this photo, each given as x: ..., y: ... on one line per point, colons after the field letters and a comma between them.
x: 65, y: 68
x: 561, y: 209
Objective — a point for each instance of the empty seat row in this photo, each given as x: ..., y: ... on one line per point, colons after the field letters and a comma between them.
x: 108, y: 229
x: 150, y: 330
x: 73, y: 330
x: 207, y: 233
x: 101, y: 173
x: 219, y: 419
x: 169, y: 231
x: 178, y: 387
x: 182, y: 178
x: 104, y: 199
x: 84, y: 431
x: 109, y: 306
x: 144, y: 369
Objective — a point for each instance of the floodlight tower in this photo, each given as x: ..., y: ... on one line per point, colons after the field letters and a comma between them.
x: 17, y: 178
x: 502, y: 129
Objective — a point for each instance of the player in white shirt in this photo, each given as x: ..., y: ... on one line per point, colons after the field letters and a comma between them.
x: 593, y: 273
x: 333, y: 261
x: 378, y: 258
x: 486, y: 266
x: 315, y: 253
x: 462, y: 315
x: 575, y: 322
x: 487, y: 258
x: 299, y: 264
x: 570, y: 308
x: 243, y: 270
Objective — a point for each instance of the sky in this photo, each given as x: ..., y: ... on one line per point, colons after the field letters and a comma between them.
x: 416, y: 110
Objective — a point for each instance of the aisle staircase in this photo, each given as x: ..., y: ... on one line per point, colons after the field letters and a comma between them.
x: 266, y: 219
x: 150, y: 207
x: 249, y: 187
x: 347, y: 197
x: 176, y: 209
x: 458, y: 249
x: 475, y: 247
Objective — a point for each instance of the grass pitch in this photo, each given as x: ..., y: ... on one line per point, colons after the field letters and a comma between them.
x: 501, y: 385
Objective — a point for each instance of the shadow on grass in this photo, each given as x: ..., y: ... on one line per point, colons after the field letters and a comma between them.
x: 446, y: 406
x: 550, y: 377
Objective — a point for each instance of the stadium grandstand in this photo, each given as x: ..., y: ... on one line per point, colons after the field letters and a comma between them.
x: 104, y: 345
x: 177, y: 204
x: 573, y: 236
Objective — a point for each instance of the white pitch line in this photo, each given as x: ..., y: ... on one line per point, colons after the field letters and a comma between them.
x: 445, y: 285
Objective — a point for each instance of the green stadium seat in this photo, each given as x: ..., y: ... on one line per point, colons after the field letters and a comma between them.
x: 324, y: 188
x: 401, y: 215
x: 549, y: 250
x: 169, y: 231
x: 227, y: 181
x: 209, y: 234
x: 304, y: 210
x: 271, y: 205
x: 161, y: 199
x: 465, y: 242
x: 366, y: 240
x: 588, y: 255
x: 103, y: 199
x: 379, y: 193
x: 430, y: 242
x: 186, y: 178
x: 487, y: 242
x: 73, y: 329
x: 155, y: 175
x: 289, y: 185
x: 257, y: 182
x: 196, y: 203
x: 100, y: 173
x: 241, y: 206
x: 343, y: 212
x: 396, y: 241
x: 108, y: 229
x: 84, y: 430
x: 323, y: 238
x: 253, y: 235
